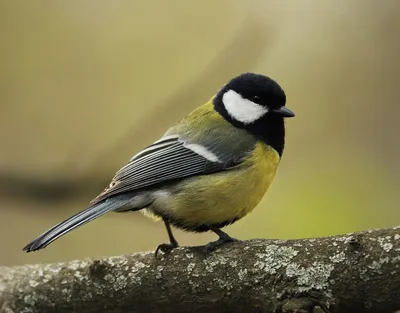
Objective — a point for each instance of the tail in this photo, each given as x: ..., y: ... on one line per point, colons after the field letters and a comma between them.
x: 73, y: 222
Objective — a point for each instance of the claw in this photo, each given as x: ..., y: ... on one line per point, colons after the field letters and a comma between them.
x: 165, y: 248
x: 214, y: 245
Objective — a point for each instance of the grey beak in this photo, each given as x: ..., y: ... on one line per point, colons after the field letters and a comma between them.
x: 284, y: 112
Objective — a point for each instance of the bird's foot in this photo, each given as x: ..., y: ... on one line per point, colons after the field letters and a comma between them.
x: 214, y: 245
x: 166, y: 247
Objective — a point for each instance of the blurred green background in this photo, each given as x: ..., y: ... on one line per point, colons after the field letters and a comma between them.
x: 85, y: 84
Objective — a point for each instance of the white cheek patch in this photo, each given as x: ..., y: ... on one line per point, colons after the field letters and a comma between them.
x: 241, y: 109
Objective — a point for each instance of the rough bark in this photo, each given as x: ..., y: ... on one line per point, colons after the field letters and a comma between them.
x: 357, y: 272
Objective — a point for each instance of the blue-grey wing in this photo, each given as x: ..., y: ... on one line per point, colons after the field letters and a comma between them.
x: 169, y: 158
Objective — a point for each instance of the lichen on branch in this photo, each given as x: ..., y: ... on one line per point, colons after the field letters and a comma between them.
x: 358, y: 272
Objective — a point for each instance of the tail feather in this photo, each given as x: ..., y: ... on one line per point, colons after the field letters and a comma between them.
x: 73, y: 222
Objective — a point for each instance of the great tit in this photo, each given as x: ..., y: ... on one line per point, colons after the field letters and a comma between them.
x: 206, y: 172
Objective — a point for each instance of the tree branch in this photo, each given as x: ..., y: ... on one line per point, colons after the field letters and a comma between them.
x: 358, y: 272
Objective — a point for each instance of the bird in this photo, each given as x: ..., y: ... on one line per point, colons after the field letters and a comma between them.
x: 206, y: 172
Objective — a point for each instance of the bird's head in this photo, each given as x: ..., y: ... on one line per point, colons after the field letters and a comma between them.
x: 256, y: 103
x: 249, y: 98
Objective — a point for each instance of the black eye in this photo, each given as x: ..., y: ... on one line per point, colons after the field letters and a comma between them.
x: 255, y: 99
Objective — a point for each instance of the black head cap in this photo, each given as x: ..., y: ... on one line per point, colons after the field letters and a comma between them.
x: 256, y: 103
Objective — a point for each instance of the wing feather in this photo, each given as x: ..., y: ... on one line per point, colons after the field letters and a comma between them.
x: 164, y: 160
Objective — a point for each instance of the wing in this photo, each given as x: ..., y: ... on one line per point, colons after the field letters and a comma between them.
x: 167, y: 159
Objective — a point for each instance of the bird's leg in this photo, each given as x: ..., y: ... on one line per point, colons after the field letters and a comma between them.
x: 166, y: 247
x: 223, y: 239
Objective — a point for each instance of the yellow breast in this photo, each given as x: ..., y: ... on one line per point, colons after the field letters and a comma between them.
x: 223, y: 197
